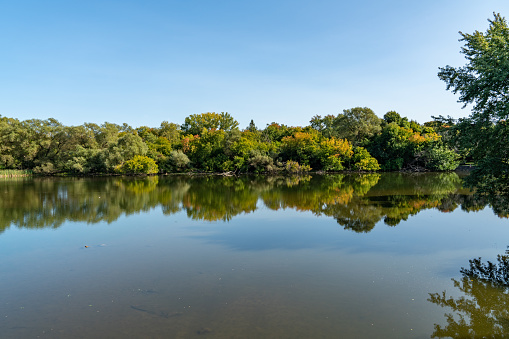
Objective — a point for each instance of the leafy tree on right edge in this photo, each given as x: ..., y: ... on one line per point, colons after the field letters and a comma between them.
x: 484, y: 83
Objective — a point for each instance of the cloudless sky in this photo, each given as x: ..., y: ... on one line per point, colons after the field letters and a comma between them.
x: 143, y: 62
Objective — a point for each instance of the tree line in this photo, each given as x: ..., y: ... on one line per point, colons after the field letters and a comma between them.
x: 355, y: 140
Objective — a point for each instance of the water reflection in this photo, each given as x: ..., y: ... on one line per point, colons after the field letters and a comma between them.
x: 357, y: 202
x: 278, y: 272
x: 481, y: 312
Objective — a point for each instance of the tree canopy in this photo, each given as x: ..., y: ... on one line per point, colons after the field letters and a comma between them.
x: 483, y: 80
x: 195, y: 123
x: 357, y: 125
x: 483, y: 83
x: 356, y: 140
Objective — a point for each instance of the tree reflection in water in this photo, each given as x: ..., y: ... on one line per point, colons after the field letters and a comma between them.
x: 356, y: 201
x: 483, y: 311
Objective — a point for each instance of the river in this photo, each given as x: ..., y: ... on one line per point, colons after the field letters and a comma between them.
x: 313, y: 256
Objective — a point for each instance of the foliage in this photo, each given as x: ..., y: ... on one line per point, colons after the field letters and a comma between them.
x: 138, y: 165
x: 170, y: 131
x: 293, y: 167
x: 126, y: 147
x: 206, y: 151
x: 299, y: 147
x: 392, y: 147
x: 260, y: 163
x: 196, y: 123
x: 211, y: 142
x: 14, y: 173
x: 324, y: 125
x: 357, y: 125
x: 333, y: 153
x: 177, y: 161
x: 252, y: 127
x: 440, y: 158
x: 248, y: 153
x: 363, y: 161
x: 398, y: 147
x: 393, y: 116
x: 147, y: 134
x: 482, y: 82
x: 275, y: 132
x: 85, y: 161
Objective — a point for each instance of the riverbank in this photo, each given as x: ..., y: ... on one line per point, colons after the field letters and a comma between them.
x: 15, y: 173
x: 29, y: 173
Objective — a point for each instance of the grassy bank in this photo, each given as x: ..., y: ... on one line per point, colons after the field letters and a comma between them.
x: 14, y: 173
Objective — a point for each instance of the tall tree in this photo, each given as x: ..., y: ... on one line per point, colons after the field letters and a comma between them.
x: 483, y: 80
x: 195, y: 123
x: 324, y: 125
x: 357, y: 125
x: 170, y: 131
x: 252, y: 127
x: 483, y: 83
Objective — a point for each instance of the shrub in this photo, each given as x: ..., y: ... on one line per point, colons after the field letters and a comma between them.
x: 333, y: 153
x: 294, y: 167
x: 178, y: 160
x: 363, y: 161
x: 261, y: 163
x: 393, y: 164
x: 333, y: 163
x: 441, y: 158
x: 45, y: 168
x: 140, y: 164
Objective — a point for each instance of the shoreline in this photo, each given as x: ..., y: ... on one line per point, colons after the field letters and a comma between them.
x: 465, y: 169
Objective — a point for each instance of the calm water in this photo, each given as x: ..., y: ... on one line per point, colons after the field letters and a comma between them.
x: 359, y: 256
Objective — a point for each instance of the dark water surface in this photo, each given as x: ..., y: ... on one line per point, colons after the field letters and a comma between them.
x: 339, y: 256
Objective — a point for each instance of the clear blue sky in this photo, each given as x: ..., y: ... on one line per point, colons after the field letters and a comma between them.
x: 142, y: 62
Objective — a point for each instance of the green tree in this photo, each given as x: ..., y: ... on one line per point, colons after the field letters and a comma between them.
x: 363, y: 161
x: 275, y: 132
x: 149, y: 135
x: 195, y: 123
x: 139, y: 164
x: 324, y: 125
x: 206, y: 152
x: 439, y: 157
x: 170, y: 131
x: 18, y: 146
x: 252, y: 127
x: 127, y: 147
x: 333, y: 154
x: 300, y: 147
x: 482, y: 82
x: 178, y: 161
x: 392, y: 116
x: 398, y: 147
x: 357, y: 125
x: 106, y: 134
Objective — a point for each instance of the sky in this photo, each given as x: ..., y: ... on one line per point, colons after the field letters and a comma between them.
x: 144, y: 62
